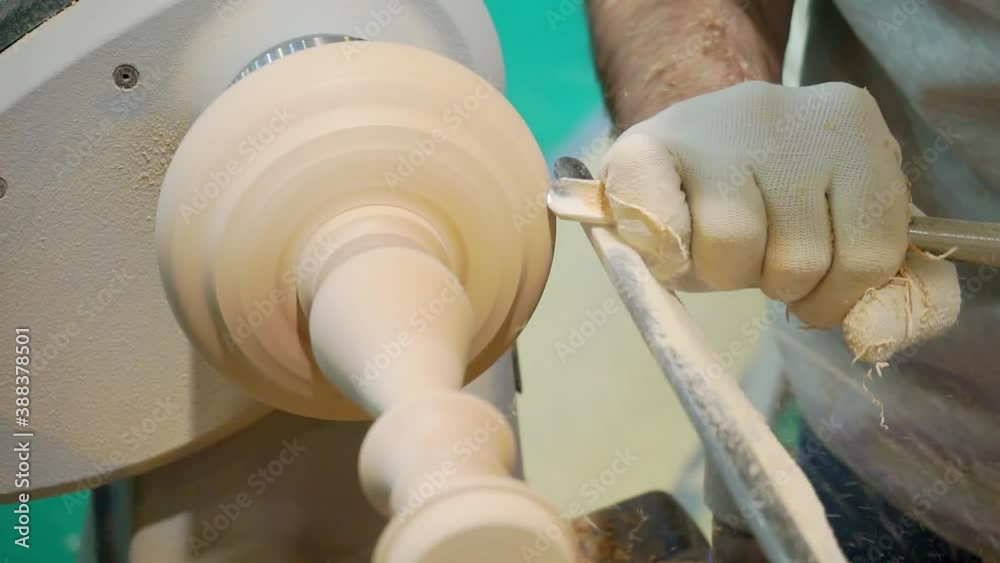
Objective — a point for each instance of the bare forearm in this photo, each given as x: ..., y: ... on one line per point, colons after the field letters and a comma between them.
x: 653, y: 53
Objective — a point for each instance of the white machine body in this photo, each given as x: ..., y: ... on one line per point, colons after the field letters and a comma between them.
x: 117, y: 386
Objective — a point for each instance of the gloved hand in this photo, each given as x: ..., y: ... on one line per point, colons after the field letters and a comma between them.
x: 797, y: 191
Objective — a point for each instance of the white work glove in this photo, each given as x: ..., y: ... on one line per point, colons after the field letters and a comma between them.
x: 796, y: 191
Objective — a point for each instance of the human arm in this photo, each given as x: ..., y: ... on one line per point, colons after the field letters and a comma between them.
x: 651, y: 54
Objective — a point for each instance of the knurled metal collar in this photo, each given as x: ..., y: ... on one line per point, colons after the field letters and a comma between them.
x: 289, y: 48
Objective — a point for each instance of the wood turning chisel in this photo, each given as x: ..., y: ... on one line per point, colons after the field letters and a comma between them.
x: 582, y: 200
x: 780, y: 506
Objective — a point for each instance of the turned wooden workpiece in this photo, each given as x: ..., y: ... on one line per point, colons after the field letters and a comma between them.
x: 373, y: 288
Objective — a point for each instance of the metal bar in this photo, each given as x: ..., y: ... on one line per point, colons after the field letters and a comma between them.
x: 781, y: 507
x: 974, y: 242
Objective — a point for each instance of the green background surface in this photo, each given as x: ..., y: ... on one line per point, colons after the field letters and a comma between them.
x: 551, y: 82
